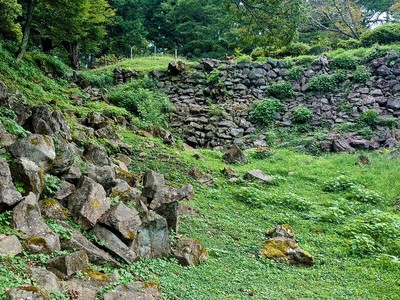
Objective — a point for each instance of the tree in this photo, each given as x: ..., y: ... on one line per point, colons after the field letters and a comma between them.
x: 343, y: 17
x: 269, y: 22
x: 74, y: 24
x: 127, y: 28
x: 10, y: 11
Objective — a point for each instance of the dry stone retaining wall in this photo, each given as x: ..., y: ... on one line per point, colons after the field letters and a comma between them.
x: 217, y: 114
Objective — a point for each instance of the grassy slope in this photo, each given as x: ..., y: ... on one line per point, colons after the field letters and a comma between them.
x: 233, y: 231
x: 234, y: 218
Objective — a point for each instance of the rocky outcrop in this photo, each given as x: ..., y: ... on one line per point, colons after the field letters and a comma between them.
x: 281, y: 246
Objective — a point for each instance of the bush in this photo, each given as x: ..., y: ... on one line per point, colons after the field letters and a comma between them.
x: 264, y: 112
x: 344, y: 61
x: 152, y: 107
x: 323, y: 83
x: 384, y: 34
x: 257, y: 53
x: 349, y: 44
x: 243, y: 58
x: 281, y: 90
x: 302, y: 115
x: 389, y: 122
x: 295, y: 73
x: 340, y: 76
x: 214, y: 77
x: 339, y: 184
x: 8, y: 120
x: 294, y: 49
x: 369, y: 117
x: 361, y: 74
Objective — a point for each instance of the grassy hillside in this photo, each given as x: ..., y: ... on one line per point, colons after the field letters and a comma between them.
x: 344, y: 213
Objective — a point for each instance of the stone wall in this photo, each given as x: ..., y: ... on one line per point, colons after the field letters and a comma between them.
x: 215, y: 115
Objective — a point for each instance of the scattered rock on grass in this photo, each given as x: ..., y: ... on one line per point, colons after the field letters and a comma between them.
x: 235, y: 156
x: 281, y: 246
x: 190, y: 252
x: 258, y: 175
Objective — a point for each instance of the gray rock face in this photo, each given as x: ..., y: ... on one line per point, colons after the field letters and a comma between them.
x: 23, y: 293
x: 97, y: 155
x: 77, y: 241
x: 124, y: 192
x: 190, y: 252
x: 37, y: 148
x: 27, y: 219
x: 45, y: 280
x: 66, y: 189
x: 152, y: 182
x: 3, y: 90
x: 9, y: 195
x: 6, y: 139
x: 88, y: 203
x: 258, y: 175
x: 153, y: 239
x: 28, y: 173
x: 176, y: 67
x: 51, y: 208
x: 50, y: 123
x: 104, y: 175
x: 235, y: 155
x: 132, y: 291
x: 125, y: 220
x: 9, y: 245
x: 65, y: 266
x: 114, y: 244
x: 64, y: 159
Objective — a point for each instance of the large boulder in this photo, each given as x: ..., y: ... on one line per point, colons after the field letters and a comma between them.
x: 176, y: 67
x: 77, y: 241
x: 9, y: 245
x: 235, y: 156
x: 258, y: 175
x: 97, y: 155
x: 281, y: 246
x: 112, y: 243
x: 27, y: 219
x: 104, y: 175
x: 49, y: 122
x: 37, y: 148
x: 45, y: 281
x: 9, y: 195
x: 124, y: 219
x: 152, y: 240
x: 6, y: 139
x: 29, y: 174
x: 24, y: 292
x: 65, y: 266
x: 88, y: 203
x: 64, y: 159
x: 190, y: 252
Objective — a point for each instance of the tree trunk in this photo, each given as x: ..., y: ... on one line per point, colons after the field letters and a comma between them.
x: 72, y: 48
x: 27, y: 30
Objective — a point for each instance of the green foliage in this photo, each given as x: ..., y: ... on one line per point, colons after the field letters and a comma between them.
x: 243, y: 58
x: 389, y: 122
x: 323, y: 83
x: 262, y: 152
x: 344, y: 61
x: 361, y: 74
x: 51, y: 185
x: 281, y: 90
x: 339, y: 184
x: 61, y: 231
x: 384, y: 34
x: 293, y: 49
x: 373, y: 232
x: 302, y: 115
x: 296, y: 73
x: 137, y: 97
x: 349, y: 44
x: 8, y: 120
x: 340, y: 76
x: 214, y: 77
x: 369, y: 117
x: 10, y: 10
x: 264, y: 112
x: 5, y: 223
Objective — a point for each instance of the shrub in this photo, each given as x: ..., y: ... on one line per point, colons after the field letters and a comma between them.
x: 389, y: 122
x: 361, y: 194
x: 243, y: 58
x: 295, y: 73
x: 51, y: 185
x: 344, y: 61
x: 340, y: 76
x: 262, y: 153
x: 264, y: 112
x: 294, y: 49
x: 349, y: 44
x: 214, y: 77
x: 7, y: 119
x: 152, y: 107
x: 323, y: 83
x: 339, y: 184
x: 281, y: 90
x: 384, y: 34
x: 361, y: 74
x: 257, y: 53
x: 369, y: 117
x: 302, y: 115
